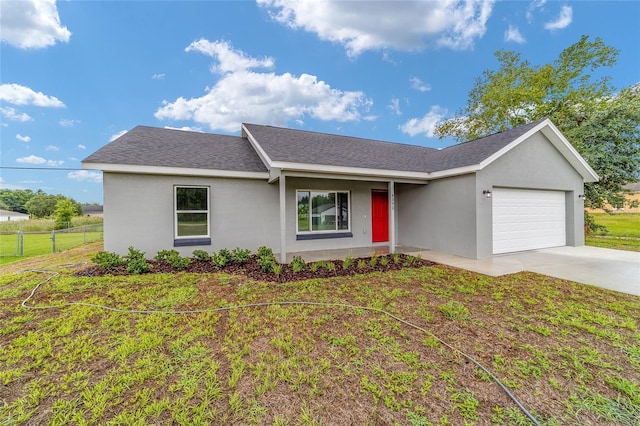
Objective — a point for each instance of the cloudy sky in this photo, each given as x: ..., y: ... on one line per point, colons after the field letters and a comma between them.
x: 76, y: 74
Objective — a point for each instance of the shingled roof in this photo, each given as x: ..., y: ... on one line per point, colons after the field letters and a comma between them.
x: 263, y: 147
x: 301, y: 146
x: 152, y: 146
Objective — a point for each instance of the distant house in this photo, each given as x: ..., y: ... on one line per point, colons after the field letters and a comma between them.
x: 298, y: 191
x: 6, y: 216
x: 92, y: 211
x: 632, y: 194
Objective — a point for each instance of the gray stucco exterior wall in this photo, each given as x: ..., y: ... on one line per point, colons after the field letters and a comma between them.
x: 452, y: 214
x: 534, y: 164
x: 139, y: 212
x: 439, y: 216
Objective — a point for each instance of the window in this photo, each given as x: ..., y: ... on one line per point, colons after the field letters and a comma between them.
x: 192, y: 212
x: 323, y: 211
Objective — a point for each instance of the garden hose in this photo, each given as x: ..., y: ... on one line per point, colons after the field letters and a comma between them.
x: 267, y: 304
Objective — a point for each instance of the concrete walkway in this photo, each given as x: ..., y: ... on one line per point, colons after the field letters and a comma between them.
x: 611, y: 269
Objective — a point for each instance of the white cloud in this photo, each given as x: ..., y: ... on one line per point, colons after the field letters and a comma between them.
x: 229, y: 59
x: 85, y: 176
x: 11, y: 114
x: 5, y: 185
x: 419, y: 85
x: 395, y: 106
x: 401, y: 25
x: 513, y: 34
x: 31, y: 24
x: 535, y: 4
x: 22, y: 95
x: 68, y: 122
x: 158, y: 76
x: 21, y: 138
x: 564, y: 19
x: 241, y: 95
x: 52, y: 148
x: 425, y: 125
x: 186, y: 128
x: 117, y: 135
x: 82, y: 146
x: 33, y: 159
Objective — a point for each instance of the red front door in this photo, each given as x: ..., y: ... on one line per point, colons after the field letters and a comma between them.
x: 379, y: 216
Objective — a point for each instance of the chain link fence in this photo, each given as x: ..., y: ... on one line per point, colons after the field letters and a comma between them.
x: 26, y: 244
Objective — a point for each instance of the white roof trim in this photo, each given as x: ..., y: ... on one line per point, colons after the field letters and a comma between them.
x: 173, y: 171
x: 551, y: 132
x: 343, y: 170
x: 256, y: 146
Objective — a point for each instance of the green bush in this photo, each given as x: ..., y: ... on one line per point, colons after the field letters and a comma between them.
x: 136, y: 262
x: 266, y: 259
x: 178, y: 261
x: 297, y: 264
x: 201, y: 255
x: 265, y: 252
x: 348, y: 261
x: 107, y: 261
x: 222, y: 258
x: 164, y: 255
x: 240, y: 256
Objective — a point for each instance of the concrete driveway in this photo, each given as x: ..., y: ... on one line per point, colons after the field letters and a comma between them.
x: 611, y: 269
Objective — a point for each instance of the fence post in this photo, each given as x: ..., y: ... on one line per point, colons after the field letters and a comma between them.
x: 20, y: 244
x: 84, y: 234
x: 53, y: 241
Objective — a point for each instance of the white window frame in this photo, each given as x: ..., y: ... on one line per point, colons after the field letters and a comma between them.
x: 324, y: 231
x: 176, y: 212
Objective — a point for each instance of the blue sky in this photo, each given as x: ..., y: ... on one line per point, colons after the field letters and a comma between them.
x: 76, y: 74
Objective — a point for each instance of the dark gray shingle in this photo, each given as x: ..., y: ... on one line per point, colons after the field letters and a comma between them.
x: 300, y: 146
x: 151, y: 146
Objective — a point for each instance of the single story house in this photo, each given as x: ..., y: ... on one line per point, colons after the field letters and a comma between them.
x: 298, y: 191
x: 8, y: 216
x: 92, y: 211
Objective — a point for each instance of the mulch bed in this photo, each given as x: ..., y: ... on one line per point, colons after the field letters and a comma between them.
x: 251, y: 268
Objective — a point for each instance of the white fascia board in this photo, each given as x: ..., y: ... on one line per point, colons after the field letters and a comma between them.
x: 351, y: 171
x: 455, y: 172
x: 173, y: 171
x: 310, y: 175
x: 551, y: 132
x: 266, y: 160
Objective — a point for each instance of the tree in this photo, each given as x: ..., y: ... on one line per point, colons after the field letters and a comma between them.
x: 65, y: 210
x: 41, y: 205
x: 602, y: 125
x: 15, y: 200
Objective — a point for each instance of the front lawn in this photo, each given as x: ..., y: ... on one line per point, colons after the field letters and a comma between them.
x: 623, y: 231
x: 569, y: 352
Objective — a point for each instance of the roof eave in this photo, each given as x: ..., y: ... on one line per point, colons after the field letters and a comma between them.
x: 173, y: 171
x: 551, y: 132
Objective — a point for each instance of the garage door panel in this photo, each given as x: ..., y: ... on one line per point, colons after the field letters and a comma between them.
x: 526, y: 219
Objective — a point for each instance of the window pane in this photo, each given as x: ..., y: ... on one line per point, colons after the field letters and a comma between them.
x: 191, y: 198
x: 343, y: 211
x: 323, y: 211
x: 303, y: 210
x: 193, y: 224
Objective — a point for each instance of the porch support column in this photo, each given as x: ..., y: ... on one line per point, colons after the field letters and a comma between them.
x: 392, y: 217
x: 283, y: 218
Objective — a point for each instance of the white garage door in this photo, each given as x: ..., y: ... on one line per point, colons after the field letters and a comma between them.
x: 527, y: 219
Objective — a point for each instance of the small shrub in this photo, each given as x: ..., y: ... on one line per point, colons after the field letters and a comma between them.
x: 201, y: 255
x: 314, y: 266
x: 331, y: 267
x: 163, y: 255
x: 265, y: 252
x: 277, y: 268
x: 384, y: 261
x: 297, y: 264
x: 240, y: 256
x: 374, y: 259
x: 107, y: 261
x: 136, y: 262
x: 178, y: 261
x: 222, y: 258
x: 362, y: 264
x: 348, y: 261
x: 396, y: 258
x: 267, y: 264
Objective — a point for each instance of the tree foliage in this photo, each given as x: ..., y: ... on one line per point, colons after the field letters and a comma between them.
x: 37, y: 204
x: 15, y: 200
x: 579, y: 100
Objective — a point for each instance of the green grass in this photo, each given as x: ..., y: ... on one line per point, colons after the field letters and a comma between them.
x: 620, y: 224
x: 569, y: 352
x: 623, y: 231
x: 41, y: 243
